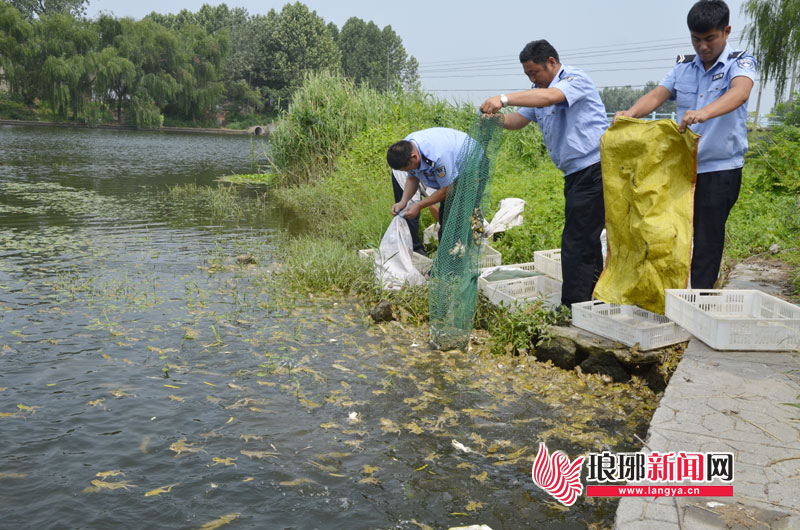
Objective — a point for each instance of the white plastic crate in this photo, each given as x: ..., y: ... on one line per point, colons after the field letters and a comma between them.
x: 530, y: 267
x: 513, y: 293
x: 490, y: 257
x: 729, y: 319
x: 422, y: 263
x: 549, y: 262
x: 628, y: 324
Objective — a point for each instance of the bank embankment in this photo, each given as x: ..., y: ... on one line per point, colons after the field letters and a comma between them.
x: 111, y: 127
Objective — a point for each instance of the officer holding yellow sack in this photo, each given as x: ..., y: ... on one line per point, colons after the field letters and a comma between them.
x: 711, y: 89
x: 565, y: 103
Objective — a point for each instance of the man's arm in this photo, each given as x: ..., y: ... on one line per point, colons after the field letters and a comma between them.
x: 539, y: 97
x: 646, y: 104
x: 514, y: 121
x: 435, y: 198
x: 434, y: 209
x: 412, y: 183
x: 730, y: 101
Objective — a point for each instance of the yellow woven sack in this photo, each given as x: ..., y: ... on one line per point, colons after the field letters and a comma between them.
x: 649, y: 172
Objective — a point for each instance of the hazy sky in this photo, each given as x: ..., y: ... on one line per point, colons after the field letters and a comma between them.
x: 468, y: 50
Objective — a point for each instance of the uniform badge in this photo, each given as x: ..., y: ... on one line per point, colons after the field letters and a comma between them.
x: 441, y: 171
x: 568, y: 78
x: 718, y: 76
x: 747, y: 64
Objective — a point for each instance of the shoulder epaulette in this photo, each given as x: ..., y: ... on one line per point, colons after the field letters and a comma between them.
x: 425, y: 158
x: 736, y: 55
x: 685, y: 59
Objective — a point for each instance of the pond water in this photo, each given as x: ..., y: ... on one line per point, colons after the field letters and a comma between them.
x: 149, y: 378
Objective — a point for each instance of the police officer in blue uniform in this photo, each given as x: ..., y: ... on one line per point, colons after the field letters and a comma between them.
x: 711, y: 89
x: 430, y: 157
x: 398, y: 186
x: 565, y: 103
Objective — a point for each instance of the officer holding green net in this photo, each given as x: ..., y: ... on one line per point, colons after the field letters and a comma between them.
x: 430, y: 156
x: 566, y: 105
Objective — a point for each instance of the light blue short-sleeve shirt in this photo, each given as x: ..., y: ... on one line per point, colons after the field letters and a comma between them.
x: 572, y: 128
x: 439, y: 148
x: 723, y: 140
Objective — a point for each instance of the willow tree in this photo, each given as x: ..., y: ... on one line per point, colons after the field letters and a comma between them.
x: 38, y: 8
x: 17, y: 46
x: 66, y: 48
x: 116, y: 78
x: 774, y: 36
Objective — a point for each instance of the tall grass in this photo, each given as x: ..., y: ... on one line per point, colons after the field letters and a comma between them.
x: 330, y: 111
x: 322, y: 264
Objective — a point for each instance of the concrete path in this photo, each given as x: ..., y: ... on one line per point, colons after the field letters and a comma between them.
x: 729, y: 402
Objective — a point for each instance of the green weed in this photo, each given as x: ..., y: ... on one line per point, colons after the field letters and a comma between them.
x: 316, y: 264
x: 224, y: 203
x: 774, y: 160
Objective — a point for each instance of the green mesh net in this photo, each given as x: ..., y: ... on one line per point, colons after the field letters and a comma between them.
x: 453, y: 286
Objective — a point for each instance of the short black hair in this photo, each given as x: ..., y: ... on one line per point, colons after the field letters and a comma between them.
x: 538, y: 51
x: 708, y: 15
x: 399, y: 154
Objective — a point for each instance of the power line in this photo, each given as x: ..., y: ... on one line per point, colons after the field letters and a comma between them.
x: 520, y: 75
x: 500, y: 90
x: 593, y: 48
x: 483, y: 69
x: 516, y: 67
x: 598, y: 49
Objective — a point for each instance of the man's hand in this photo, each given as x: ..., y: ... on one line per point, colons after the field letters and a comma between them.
x: 626, y: 113
x: 396, y: 207
x: 690, y: 117
x: 492, y: 105
x: 412, y: 211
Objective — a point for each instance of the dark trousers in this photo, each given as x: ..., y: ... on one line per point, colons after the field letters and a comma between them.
x: 413, y: 224
x: 482, y: 178
x: 443, y: 209
x: 714, y: 195
x: 584, y: 218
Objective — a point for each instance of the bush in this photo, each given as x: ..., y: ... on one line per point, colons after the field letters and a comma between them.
x: 760, y: 219
x: 245, y: 121
x: 774, y: 160
x: 144, y: 113
x: 11, y: 109
x: 325, y: 115
x: 789, y: 112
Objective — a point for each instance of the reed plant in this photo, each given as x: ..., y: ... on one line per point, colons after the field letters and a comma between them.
x: 330, y: 111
